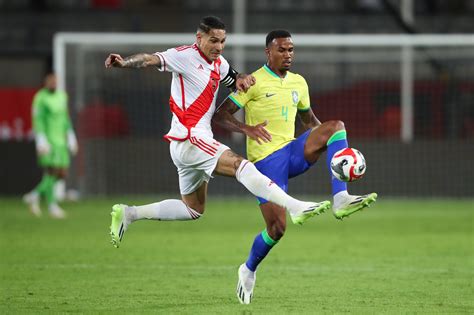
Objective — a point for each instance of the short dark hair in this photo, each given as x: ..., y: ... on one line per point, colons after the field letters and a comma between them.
x: 276, y: 34
x: 208, y: 23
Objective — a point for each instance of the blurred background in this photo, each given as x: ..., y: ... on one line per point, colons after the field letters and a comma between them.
x: 409, y: 109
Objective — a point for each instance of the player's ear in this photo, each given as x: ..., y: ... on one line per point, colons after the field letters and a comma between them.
x: 267, y: 52
x: 198, y: 37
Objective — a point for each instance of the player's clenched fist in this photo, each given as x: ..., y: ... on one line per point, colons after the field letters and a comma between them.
x: 114, y: 60
x: 244, y: 82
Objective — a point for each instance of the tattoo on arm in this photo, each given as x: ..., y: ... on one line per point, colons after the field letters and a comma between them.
x: 224, y: 117
x: 141, y: 61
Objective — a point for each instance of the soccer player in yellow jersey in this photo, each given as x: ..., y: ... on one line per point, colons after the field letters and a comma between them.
x: 271, y: 106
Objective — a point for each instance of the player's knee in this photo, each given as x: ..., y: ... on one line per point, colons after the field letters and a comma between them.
x: 329, y: 128
x: 237, y: 162
x: 335, y: 125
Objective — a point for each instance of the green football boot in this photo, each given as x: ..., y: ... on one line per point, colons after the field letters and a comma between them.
x: 354, y: 204
x: 309, y: 210
x: 119, y: 224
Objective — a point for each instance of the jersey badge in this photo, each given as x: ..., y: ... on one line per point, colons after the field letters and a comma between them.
x: 213, y: 84
x: 294, y: 94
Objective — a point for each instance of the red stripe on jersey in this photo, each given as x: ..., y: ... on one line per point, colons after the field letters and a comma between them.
x: 190, y: 116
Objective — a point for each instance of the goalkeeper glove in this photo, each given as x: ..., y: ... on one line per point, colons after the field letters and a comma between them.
x: 42, y: 144
x: 72, y: 142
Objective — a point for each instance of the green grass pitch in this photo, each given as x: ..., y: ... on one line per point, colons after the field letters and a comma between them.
x: 399, y: 256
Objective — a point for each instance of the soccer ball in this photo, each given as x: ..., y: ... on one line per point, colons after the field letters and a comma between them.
x: 348, y: 165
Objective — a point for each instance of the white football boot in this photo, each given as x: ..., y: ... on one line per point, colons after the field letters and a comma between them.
x: 56, y: 212
x: 32, y: 199
x: 246, y: 284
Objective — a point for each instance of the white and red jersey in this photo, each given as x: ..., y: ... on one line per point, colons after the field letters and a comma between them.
x: 194, y: 90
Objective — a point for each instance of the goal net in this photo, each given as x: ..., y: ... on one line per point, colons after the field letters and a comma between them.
x: 407, y: 103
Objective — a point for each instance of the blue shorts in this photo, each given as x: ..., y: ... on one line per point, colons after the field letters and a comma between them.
x: 285, y: 163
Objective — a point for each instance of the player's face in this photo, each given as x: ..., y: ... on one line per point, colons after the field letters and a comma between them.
x: 50, y: 82
x: 280, y: 53
x: 212, y: 43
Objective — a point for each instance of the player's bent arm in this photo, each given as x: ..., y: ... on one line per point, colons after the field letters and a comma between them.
x: 308, y: 119
x: 224, y: 118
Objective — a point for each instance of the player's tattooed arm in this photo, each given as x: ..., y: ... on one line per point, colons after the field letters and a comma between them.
x: 134, y: 61
x: 308, y: 119
x: 224, y: 118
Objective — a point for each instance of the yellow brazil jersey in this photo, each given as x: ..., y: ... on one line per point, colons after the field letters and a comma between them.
x: 276, y: 100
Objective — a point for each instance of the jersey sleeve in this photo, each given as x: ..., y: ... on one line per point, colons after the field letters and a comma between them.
x: 68, y: 123
x: 304, y: 104
x: 242, y: 98
x: 172, y: 60
x: 224, y: 67
x: 38, y: 113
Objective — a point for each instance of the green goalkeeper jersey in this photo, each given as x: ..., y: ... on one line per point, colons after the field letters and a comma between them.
x: 51, y: 116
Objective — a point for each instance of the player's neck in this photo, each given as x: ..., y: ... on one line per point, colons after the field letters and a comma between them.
x: 278, y: 72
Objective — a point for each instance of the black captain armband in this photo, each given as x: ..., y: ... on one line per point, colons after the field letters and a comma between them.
x: 230, y: 78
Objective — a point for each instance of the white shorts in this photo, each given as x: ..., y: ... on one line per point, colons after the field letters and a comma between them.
x: 195, y: 159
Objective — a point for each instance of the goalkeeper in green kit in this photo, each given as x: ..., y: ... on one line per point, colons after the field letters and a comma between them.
x: 54, y: 138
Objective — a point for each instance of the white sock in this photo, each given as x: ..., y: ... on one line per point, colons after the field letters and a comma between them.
x: 166, y: 210
x: 60, y: 189
x: 340, y: 198
x: 261, y: 186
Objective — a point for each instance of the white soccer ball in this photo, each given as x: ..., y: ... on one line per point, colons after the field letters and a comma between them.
x: 348, y: 165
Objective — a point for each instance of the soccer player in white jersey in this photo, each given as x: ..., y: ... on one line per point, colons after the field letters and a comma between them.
x: 197, y: 70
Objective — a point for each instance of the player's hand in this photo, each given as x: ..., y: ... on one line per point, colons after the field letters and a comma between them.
x: 114, y: 60
x: 72, y: 143
x: 258, y: 133
x: 42, y: 145
x: 244, y: 82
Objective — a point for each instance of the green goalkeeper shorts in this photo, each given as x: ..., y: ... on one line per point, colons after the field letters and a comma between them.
x: 58, y: 157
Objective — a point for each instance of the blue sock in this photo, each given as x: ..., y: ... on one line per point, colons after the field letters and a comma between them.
x: 260, y: 248
x: 336, y: 142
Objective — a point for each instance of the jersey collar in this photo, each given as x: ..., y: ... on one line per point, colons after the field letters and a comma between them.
x: 273, y: 74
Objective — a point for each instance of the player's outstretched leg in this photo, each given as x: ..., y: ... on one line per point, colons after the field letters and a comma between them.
x: 306, y: 210
x: 165, y: 210
x: 261, y: 186
x: 119, y: 224
x: 345, y: 204
x: 245, y: 284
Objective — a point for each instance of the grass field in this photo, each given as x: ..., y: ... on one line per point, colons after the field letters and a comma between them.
x: 400, y: 256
